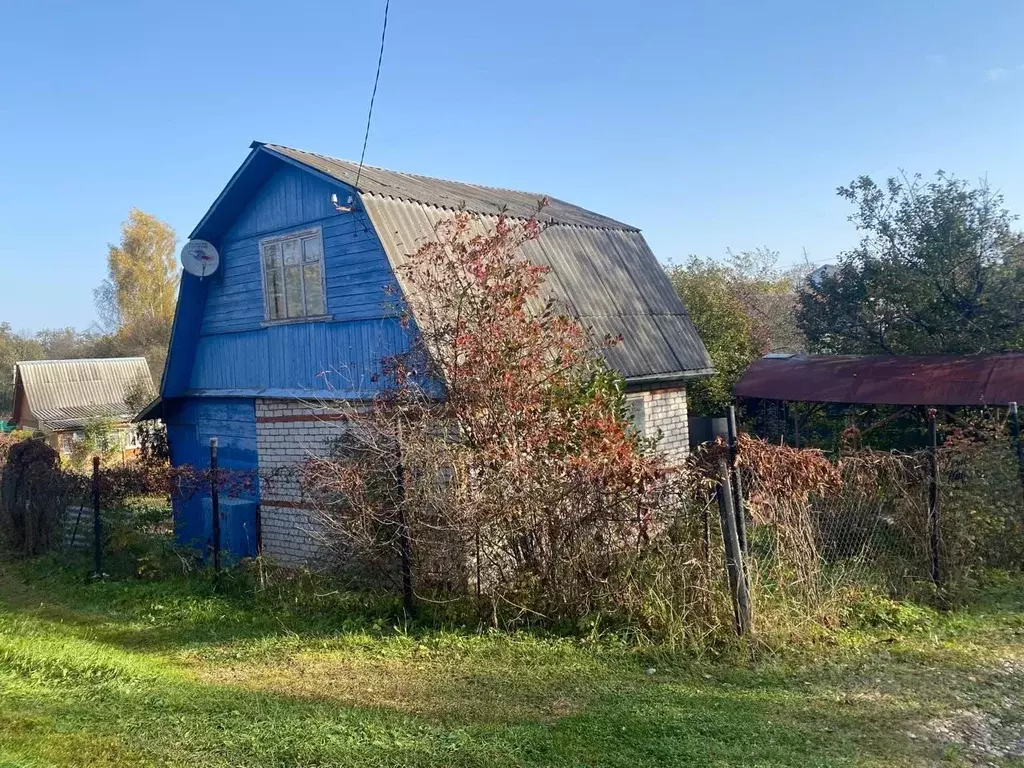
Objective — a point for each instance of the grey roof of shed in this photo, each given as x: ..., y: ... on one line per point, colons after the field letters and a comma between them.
x: 601, y: 269
x: 65, y: 394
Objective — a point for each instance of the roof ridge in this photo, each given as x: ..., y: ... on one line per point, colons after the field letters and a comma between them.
x: 79, y: 360
x: 333, y: 159
x: 390, y: 184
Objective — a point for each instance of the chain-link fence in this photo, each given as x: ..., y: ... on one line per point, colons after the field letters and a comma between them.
x: 815, y: 533
x: 928, y: 525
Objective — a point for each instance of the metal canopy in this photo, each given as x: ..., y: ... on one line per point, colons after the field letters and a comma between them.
x: 939, y: 380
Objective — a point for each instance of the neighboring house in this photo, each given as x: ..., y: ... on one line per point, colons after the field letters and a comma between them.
x: 299, y: 312
x: 59, y: 398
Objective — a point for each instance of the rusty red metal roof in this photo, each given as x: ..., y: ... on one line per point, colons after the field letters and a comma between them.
x: 887, y: 379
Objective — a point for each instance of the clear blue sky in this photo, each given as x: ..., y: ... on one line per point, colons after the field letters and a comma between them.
x: 711, y: 125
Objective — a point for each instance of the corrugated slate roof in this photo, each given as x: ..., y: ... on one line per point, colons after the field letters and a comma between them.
x: 601, y: 269
x: 452, y: 195
x: 64, y: 394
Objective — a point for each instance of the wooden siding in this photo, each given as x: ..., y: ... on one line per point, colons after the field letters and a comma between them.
x: 341, y: 357
x: 356, y: 269
x: 289, y: 198
x: 190, y: 425
x: 188, y: 318
x: 235, y: 349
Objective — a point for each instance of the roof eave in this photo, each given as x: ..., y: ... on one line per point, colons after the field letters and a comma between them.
x: 670, y: 378
x: 255, y: 148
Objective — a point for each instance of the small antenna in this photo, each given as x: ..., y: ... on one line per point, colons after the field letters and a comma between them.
x: 347, y: 208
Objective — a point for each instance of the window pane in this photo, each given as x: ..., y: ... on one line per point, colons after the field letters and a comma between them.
x: 272, y: 256
x: 311, y: 249
x: 635, y: 413
x: 314, y: 290
x: 275, y: 293
x: 293, y: 289
x: 290, y: 248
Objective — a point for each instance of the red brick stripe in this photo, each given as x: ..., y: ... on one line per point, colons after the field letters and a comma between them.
x: 286, y: 504
x: 303, y: 417
x: 662, y: 391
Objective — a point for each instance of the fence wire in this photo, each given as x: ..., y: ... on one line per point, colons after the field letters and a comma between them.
x: 820, y: 528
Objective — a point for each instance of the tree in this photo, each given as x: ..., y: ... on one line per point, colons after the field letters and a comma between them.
x: 136, y: 301
x: 68, y: 343
x: 517, y: 470
x: 743, y: 307
x: 939, y: 269
x: 13, y: 348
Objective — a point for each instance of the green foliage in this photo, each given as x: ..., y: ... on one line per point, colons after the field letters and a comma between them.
x: 876, y: 611
x: 940, y: 269
x: 99, y: 438
x: 742, y: 308
x: 727, y: 331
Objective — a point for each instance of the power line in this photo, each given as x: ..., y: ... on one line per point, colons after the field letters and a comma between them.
x: 373, y: 96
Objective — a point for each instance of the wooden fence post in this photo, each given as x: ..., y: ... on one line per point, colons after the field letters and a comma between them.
x: 215, y: 504
x: 934, y: 519
x: 97, y: 522
x: 737, y: 483
x: 405, y: 548
x: 733, y: 553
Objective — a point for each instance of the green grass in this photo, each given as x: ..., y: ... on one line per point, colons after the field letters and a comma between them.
x: 173, y: 672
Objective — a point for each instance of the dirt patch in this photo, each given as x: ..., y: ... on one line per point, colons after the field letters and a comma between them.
x: 981, y: 734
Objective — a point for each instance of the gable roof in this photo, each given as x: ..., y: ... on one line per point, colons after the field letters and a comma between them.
x: 602, y: 269
x: 65, y: 394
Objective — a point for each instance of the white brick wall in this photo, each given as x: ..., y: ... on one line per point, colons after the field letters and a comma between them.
x: 288, y: 432
x: 290, y: 533
x: 665, y: 416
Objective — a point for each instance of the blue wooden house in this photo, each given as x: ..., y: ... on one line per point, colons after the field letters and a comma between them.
x: 299, y: 312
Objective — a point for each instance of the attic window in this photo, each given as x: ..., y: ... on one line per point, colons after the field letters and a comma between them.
x: 293, y: 275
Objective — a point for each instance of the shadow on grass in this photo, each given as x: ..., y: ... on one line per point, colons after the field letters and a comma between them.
x: 173, y: 721
x: 229, y: 677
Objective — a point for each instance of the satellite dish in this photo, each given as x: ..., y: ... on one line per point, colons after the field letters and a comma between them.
x: 199, y: 258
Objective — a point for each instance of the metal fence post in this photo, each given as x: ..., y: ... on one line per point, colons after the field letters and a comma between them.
x: 97, y: 523
x: 215, y: 504
x: 1015, y: 422
x: 934, y: 520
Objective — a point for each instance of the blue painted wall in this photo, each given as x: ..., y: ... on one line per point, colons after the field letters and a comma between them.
x: 223, y: 354
x: 190, y: 425
x: 237, y: 350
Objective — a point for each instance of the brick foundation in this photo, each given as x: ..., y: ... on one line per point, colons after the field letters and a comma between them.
x: 288, y: 432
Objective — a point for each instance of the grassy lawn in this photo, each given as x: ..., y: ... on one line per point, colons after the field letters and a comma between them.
x: 172, y: 672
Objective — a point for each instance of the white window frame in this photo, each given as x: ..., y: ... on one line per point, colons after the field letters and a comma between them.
x: 302, y: 234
